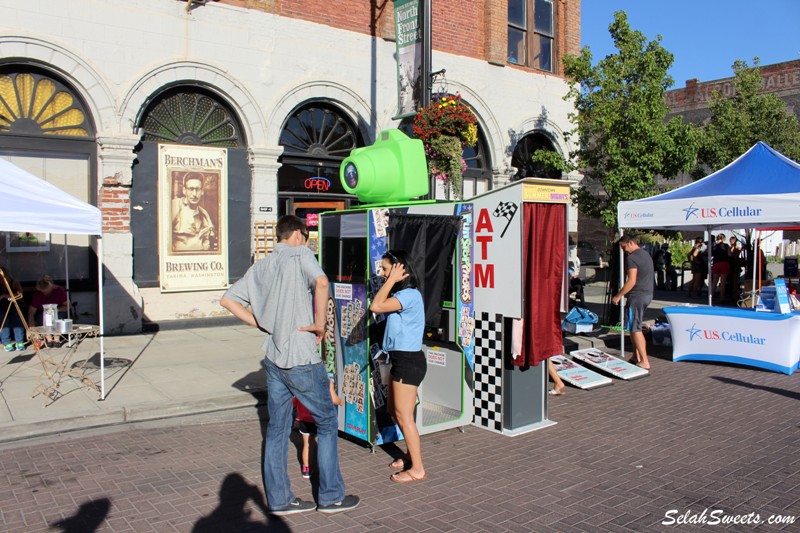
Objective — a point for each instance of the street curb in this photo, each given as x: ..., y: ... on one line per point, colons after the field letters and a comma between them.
x: 15, y: 431
x: 183, y: 408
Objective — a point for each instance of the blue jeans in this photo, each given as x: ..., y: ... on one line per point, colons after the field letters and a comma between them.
x: 310, y: 385
x: 19, y: 335
x: 12, y: 322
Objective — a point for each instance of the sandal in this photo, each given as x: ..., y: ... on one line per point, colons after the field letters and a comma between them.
x: 401, y: 463
x: 409, y: 477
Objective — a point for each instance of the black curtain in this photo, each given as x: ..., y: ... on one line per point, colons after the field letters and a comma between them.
x: 430, y: 241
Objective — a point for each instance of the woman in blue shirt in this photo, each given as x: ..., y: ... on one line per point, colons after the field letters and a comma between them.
x: 400, y: 299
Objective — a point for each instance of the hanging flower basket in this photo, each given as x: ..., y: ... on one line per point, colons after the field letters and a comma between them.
x: 446, y: 128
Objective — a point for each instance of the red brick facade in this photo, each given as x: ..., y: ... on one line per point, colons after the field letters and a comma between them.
x: 472, y: 28
x: 781, y: 79
x: 115, y: 205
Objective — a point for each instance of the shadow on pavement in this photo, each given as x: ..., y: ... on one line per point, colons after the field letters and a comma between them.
x: 87, y: 519
x: 231, y: 515
x: 782, y: 392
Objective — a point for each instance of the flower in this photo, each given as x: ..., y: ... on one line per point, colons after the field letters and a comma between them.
x: 446, y: 127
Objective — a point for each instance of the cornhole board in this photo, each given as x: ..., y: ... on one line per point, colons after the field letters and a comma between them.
x: 578, y: 375
x: 605, y: 362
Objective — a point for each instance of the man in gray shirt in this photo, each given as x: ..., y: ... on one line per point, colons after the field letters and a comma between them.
x: 275, y: 296
x: 639, y: 289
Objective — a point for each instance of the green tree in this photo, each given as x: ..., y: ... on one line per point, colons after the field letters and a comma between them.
x: 620, y: 128
x: 740, y: 121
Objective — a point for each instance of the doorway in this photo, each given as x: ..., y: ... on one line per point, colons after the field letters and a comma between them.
x: 308, y: 211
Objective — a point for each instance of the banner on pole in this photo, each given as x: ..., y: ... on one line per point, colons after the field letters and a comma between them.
x: 408, y: 30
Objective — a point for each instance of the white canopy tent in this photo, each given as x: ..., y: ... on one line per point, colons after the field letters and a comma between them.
x: 760, y: 189
x: 31, y: 204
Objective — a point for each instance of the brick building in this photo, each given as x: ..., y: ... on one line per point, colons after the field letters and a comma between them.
x: 100, y: 97
x: 691, y: 102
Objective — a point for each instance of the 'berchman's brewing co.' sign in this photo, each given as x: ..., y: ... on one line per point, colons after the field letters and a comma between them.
x: 192, y: 218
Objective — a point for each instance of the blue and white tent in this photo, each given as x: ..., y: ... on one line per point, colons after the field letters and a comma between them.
x: 761, y: 189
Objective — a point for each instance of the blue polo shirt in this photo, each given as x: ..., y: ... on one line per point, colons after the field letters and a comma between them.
x: 405, y: 328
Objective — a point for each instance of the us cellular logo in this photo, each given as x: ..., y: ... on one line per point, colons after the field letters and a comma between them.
x: 720, y: 212
x: 728, y: 336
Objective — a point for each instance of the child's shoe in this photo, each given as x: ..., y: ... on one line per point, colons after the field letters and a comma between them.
x: 9, y: 347
x: 21, y: 346
x: 306, y: 471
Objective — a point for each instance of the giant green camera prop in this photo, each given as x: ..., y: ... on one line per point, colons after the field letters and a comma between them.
x: 391, y: 170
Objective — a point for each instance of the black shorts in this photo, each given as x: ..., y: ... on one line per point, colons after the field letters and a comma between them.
x: 408, y: 367
x: 306, y: 428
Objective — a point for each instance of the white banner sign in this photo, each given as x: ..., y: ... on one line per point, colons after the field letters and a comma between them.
x: 743, y: 336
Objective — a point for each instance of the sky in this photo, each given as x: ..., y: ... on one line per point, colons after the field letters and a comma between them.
x: 705, y: 36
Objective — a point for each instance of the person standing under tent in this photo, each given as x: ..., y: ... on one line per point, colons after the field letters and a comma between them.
x: 639, y: 289
x: 400, y: 299
x: 274, y: 296
x: 698, y: 257
x: 720, y: 267
x: 666, y: 276
x: 735, y: 260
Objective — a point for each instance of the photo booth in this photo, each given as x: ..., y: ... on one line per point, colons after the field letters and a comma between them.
x: 493, y: 283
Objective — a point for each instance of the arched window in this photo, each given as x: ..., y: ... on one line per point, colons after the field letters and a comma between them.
x: 521, y: 158
x: 315, y: 138
x: 191, y: 116
x: 32, y: 103
x: 46, y: 129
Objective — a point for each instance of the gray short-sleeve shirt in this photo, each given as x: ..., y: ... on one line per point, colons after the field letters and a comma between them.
x: 641, y: 261
x: 278, y: 289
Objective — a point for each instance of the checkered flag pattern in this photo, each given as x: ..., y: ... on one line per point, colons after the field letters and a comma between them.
x: 489, y: 372
x: 506, y: 210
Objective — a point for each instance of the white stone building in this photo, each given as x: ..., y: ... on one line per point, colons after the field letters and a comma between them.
x: 89, y: 89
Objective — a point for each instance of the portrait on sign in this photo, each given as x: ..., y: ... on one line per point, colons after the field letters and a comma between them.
x: 194, y: 212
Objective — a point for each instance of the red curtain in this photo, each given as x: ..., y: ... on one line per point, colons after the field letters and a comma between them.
x: 543, y: 249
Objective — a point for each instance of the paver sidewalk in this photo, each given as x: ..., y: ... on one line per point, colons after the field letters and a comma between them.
x: 168, y: 373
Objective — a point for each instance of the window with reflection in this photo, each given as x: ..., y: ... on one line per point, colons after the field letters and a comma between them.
x: 521, y: 158
x: 189, y: 115
x: 315, y: 138
x: 531, y: 33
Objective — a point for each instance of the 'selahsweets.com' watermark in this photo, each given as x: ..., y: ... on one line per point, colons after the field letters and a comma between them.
x: 718, y: 517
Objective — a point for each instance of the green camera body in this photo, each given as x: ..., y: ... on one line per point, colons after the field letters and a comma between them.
x: 393, y: 169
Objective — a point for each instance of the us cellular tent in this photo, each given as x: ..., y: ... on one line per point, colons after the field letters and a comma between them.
x: 31, y: 204
x: 760, y: 189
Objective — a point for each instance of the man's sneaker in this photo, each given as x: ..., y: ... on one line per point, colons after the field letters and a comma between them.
x: 306, y: 472
x: 21, y: 346
x: 349, y: 502
x: 296, y: 506
x: 9, y: 347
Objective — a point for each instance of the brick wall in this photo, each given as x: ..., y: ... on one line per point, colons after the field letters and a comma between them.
x: 471, y: 28
x: 115, y: 206
x: 782, y: 79
x: 571, y: 36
